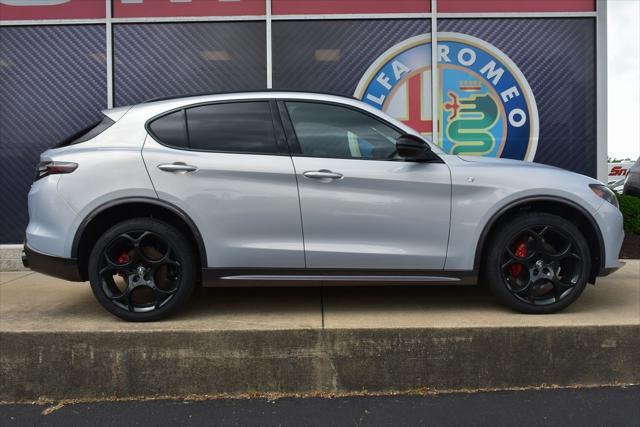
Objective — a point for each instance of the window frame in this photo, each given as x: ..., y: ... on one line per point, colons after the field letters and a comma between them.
x: 282, y: 148
x: 294, y: 144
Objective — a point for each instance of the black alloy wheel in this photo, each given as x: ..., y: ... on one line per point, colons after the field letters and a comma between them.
x: 538, y: 263
x: 142, y: 269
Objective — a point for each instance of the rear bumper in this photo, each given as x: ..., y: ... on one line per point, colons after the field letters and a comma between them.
x: 63, y: 268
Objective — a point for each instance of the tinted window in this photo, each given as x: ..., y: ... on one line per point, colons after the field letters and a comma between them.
x: 240, y: 126
x: 325, y: 130
x: 170, y: 129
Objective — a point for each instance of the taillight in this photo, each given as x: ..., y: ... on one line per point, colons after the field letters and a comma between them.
x: 53, y: 168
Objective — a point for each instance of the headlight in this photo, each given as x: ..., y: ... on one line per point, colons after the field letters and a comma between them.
x: 605, y: 193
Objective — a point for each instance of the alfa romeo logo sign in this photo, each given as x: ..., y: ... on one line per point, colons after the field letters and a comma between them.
x: 486, y: 106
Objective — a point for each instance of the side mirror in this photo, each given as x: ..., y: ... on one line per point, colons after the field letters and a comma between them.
x: 412, y: 148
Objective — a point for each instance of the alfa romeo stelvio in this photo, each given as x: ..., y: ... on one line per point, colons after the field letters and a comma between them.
x: 286, y: 187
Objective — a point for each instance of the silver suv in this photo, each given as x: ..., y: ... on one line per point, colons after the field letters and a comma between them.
x: 271, y: 187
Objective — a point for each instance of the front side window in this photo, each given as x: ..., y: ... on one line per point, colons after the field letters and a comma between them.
x: 235, y: 127
x: 326, y: 130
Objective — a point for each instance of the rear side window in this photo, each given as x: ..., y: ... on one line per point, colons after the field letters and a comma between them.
x: 171, y: 129
x: 236, y: 127
x: 87, y: 133
x: 244, y: 127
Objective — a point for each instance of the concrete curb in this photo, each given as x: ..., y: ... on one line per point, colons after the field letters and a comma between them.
x: 68, y: 365
x: 11, y: 258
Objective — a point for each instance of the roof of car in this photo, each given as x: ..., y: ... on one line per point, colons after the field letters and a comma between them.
x: 157, y: 106
x: 268, y: 92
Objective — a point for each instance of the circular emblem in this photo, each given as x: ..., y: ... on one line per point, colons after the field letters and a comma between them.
x: 486, y: 106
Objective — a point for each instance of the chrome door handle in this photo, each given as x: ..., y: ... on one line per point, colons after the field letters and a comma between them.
x: 177, y: 167
x: 323, y: 175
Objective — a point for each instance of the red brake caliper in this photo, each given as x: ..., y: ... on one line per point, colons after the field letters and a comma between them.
x: 123, y: 259
x: 521, y: 252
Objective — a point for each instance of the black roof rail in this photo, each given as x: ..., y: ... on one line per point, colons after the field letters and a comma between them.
x: 188, y: 95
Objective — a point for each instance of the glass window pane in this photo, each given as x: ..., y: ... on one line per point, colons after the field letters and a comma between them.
x: 235, y: 127
x: 332, y: 56
x: 325, y: 130
x: 171, y: 129
x: 470, y: 6
x: 26, y: 10
x: 169, y: 59
x: 313, y: 7
x: 53, y: 83
x: 559, y: 68
x: 175, y: 8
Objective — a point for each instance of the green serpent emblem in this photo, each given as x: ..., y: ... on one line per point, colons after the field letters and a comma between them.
x: 470, y: 123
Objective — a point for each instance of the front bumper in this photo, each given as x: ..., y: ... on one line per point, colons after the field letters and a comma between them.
x: 610, y: 221
x: 605, y: 271
x: 63, y: 268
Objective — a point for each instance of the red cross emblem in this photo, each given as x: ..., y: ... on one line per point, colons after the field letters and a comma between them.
x: 414, y: 95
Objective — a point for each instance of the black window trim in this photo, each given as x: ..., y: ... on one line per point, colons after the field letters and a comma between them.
x: 87, y: 133
x: 278, y: 133
x: 294, y: 144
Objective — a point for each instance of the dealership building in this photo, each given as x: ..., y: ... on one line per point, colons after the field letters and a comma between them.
x: 519, y: 79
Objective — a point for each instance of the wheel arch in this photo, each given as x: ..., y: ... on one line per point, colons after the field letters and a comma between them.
x: 554, y: 205
x: 117, y: 210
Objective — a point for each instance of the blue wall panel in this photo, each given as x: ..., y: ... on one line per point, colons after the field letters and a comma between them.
x: 52, y: 84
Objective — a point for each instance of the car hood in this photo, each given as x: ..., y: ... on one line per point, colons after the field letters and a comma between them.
x: 492, y: 161
x: 521, y: 177
x: 506, y: 180
x: 508, y: 166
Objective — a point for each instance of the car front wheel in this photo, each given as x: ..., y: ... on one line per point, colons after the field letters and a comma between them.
x: 142, y: 269
x: 537, y: 263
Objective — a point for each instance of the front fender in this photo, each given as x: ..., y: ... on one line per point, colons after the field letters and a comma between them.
x: 480, y: 195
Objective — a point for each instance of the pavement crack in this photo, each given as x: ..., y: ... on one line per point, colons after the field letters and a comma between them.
x: 17, y: 278
x: 322, y: 303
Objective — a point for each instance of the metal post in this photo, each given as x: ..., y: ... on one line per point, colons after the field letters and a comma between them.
x: 109, y: 54
x: 601, y: 90
x: 435, y: 110
x: 269, y: 55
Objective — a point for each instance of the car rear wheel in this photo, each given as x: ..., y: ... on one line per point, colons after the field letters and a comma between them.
x: 142, y: 269
x: 538, y: 263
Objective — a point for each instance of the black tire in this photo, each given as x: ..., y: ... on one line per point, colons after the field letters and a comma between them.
x: 143, y: 281
x: 537, y: 263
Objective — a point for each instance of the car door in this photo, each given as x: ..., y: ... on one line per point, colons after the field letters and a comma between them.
x: 362, y: 206
x: 227, y: 166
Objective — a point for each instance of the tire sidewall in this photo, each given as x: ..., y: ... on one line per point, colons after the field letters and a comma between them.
x: 183, y: 254
x: 503, y: 237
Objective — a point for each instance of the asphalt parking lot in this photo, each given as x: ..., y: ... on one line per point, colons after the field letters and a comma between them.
x: 609, y: 406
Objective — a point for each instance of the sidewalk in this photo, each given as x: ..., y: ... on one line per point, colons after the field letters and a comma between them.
x: 57, y: 342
